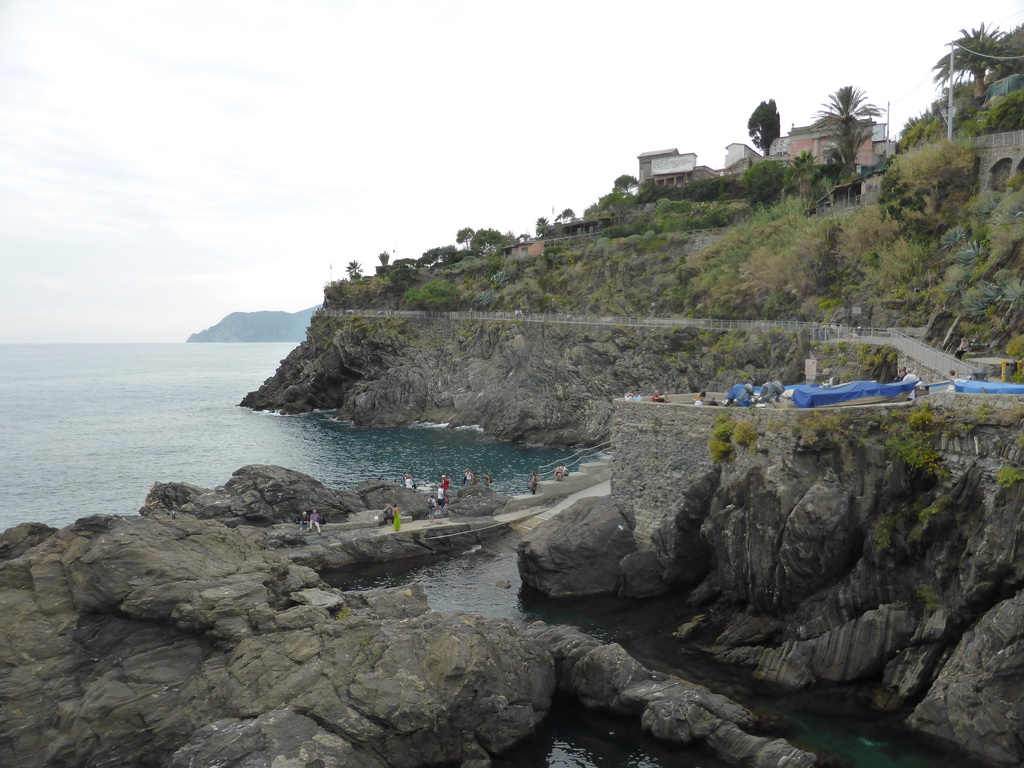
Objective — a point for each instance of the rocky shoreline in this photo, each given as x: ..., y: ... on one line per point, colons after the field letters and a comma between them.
x: 177, y: 641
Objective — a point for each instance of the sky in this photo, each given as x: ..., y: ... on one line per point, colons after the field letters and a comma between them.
x: 163, y: 164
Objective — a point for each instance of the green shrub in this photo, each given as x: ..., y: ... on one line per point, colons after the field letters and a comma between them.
x: 927, y: 597
x: 745, y: 434
x: 1009, y: 475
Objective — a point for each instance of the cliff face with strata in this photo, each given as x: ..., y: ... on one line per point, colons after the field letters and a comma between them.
x: 869, y: 546
x: 545, y: 383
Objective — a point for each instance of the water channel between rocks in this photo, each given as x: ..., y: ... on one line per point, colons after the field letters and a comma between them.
x: 485, y: 580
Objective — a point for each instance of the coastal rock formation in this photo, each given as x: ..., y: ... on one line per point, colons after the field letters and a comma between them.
x: 129, y: 640
x: 258, y: 495
x: 604, y: 676
x: 872, y: 547
x: 581, y: 553
x: 152, y: 641
x: 542, y: 383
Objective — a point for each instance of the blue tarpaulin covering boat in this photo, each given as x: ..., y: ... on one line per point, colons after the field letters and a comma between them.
x: 988, y: 387
x: 863, y: 391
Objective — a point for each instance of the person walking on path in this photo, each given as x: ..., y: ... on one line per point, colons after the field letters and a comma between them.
x: 433, y: 510
x: 314, y: 520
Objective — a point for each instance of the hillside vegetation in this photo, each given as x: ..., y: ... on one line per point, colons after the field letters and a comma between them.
x: 932, y: 251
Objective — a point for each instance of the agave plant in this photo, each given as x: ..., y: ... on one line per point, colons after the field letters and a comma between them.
x: 974, y: 302
x: 955, y: 236
x: 956, y: 279
x: 969, y: 254
x: 1012, y: 294
x: 1012, y: 214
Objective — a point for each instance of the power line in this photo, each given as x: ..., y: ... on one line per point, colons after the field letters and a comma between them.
x: 986, y: 55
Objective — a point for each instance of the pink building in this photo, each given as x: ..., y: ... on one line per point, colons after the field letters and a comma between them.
x: 807, y: 138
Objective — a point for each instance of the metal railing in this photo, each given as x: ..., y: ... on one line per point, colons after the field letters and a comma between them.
x: 1010, y: 139
x: 827, y: 332
x: 574, y: 460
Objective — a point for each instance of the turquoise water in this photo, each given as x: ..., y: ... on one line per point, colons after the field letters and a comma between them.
x: 87, y: 429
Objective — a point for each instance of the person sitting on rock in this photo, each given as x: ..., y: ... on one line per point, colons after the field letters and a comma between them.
x: 560, y: 472
x: 699, y: 399
x: 389, y: 515
x: 303, y: 521
x: 314, y: 521
x: 657, y: 397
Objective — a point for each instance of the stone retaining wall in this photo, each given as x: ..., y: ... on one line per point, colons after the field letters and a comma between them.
x: 661, y: 463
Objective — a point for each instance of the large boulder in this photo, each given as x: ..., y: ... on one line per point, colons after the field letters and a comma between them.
x: 129, y: 640
x: 16, y: 541
x: 377, y: 494
x: 579, y: 551
x: 604, y: 676
x: 256, y: 494
x: 477, y: 501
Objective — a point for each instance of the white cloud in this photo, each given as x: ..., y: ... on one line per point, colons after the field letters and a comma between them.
x: 165, y: 163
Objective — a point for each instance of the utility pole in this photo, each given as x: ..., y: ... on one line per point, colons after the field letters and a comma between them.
x: 949, y: 109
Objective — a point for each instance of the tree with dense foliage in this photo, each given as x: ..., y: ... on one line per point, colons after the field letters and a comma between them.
x: 847, y: 118
x: 625, y: 183
x: 764, y: 182
x: 444, y: 254
x: 567, y: 215
x: 464, y: 236
x: 486, y: 241
x: 976, y: 55
x: 354, y: 270
x: 764, y: 125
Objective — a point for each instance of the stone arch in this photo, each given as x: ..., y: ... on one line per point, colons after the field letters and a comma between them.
x: 999, y: 173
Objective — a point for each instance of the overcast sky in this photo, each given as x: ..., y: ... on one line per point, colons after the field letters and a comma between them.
x: 163, y: 164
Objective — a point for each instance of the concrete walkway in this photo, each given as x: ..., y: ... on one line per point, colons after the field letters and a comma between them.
x: 522, y: 520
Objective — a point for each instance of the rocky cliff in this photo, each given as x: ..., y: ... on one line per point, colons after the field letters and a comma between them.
x: 876, y: 547
x: 153, y: 641
x: 544, y: 383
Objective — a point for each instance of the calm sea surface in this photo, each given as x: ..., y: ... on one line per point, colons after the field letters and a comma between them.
x: 86, y: 429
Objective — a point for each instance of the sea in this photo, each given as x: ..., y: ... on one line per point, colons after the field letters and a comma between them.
x: 86, y: 429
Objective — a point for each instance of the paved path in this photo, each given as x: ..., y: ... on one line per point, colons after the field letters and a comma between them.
x: 523, y: 520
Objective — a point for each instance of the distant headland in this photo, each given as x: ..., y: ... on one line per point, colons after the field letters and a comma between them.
x: 257, y: 327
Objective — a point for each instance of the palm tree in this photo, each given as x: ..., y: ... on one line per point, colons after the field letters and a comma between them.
x: 542, y: 226
x: 354, y: 270
x: 803, y: 169
x: 384, y: 257
x: 846, y: 117
x: 567, y: 215
x: 974, y: 56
